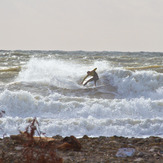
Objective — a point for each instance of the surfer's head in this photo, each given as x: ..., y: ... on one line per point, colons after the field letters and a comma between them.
x: 88, y: 72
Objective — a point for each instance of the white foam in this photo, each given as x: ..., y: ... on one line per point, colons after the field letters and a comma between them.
x: 58, y: 114
x: 136, y: 84
x: 60, y: 73
x: 90, y: 126
x: 24, y: 104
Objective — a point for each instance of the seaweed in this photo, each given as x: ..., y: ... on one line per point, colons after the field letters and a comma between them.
x: 38, y: 152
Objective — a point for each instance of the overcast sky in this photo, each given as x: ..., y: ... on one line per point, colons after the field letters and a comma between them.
x: 113, y: 25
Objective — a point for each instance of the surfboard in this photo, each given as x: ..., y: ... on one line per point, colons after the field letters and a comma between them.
x: 100, y: 88
x: 88, y: 78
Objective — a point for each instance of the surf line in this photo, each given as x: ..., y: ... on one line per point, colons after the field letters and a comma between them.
x: 143, y: 68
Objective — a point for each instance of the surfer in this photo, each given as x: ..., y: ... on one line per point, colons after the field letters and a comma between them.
x: 91, y: 73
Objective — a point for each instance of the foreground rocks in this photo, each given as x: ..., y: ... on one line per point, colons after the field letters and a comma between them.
x: 84, y: 150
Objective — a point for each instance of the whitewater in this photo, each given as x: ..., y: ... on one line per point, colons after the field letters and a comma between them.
x: 127, y: 101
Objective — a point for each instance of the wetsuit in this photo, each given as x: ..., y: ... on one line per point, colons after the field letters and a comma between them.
x: 91, y: 73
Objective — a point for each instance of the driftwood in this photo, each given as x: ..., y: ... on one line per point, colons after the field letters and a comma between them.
x: 68, y: 143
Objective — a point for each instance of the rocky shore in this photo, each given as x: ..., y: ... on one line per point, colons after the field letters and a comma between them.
x: 91, y: 150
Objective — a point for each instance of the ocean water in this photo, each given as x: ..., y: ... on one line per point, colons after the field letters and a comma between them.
x: 127, y: 101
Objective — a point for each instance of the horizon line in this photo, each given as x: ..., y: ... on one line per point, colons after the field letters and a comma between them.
x: 138, y: 51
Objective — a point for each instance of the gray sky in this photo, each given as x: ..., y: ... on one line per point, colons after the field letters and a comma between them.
x: 113, y: 25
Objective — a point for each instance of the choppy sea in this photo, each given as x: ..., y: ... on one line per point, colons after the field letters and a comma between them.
x: 127, y: 101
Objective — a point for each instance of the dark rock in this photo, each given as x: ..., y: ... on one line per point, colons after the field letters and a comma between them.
x: 85, y: 137
x: 57, y: 137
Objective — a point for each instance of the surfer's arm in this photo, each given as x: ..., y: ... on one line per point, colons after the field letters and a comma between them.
x: 84, y: 79
x: 94, y: 69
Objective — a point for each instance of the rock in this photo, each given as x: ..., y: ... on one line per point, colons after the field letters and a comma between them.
x: 2, y: 112
x: 154, y: 149
x: 85, y: 137
x: 140, y: 142
x: 158, y: 140
x: 57, y: 137
x: 124, y: 152
x: 96, y: 149
x: 161, y: 152
x: 138, y: 160
x: 18, y: 148
x: 140, y: 154
x: 113, y: 142
x: 70, y: 143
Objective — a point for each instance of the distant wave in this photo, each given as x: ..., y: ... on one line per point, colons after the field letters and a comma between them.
x: 145, y: 67
x: 17, y: 69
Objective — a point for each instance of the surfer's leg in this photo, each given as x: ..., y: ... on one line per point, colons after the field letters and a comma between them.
x: 92, y: 79
x: 95, y: 82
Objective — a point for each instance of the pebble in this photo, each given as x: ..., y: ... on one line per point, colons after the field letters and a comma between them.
x: 138, y: 160
x: 140, y: 154
x: 154, y: 149
x: 18, y: 148
x: 100, y: 149
x: 124, y: 152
